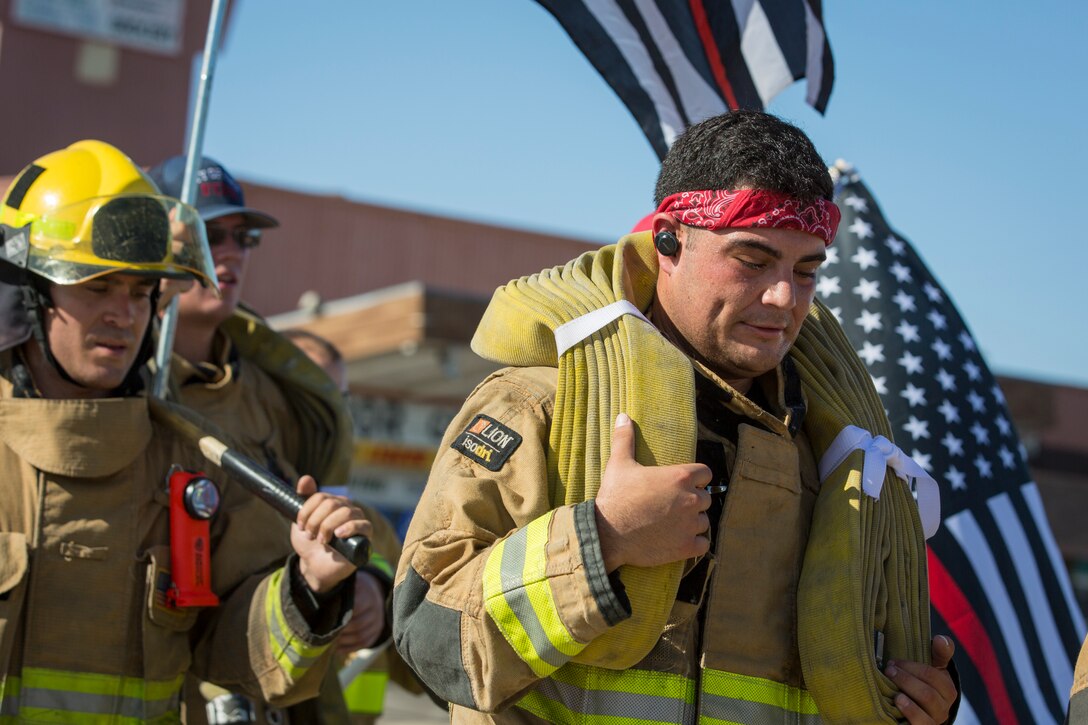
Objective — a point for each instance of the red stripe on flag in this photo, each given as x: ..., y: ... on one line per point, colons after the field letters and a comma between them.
x: 710, y: 47
x: 952, y: 605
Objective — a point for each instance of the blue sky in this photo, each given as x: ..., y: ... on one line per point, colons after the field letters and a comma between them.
x: 965, y: 119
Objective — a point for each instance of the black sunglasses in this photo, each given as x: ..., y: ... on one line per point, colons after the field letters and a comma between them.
x: 245, y: 237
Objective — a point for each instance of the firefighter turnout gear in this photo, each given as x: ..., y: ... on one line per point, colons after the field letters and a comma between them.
x: 87, y: 633
x: 282, y: 410
x: 505, y: 562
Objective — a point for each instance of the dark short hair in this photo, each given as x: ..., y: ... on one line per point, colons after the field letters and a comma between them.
x: 744, y: 149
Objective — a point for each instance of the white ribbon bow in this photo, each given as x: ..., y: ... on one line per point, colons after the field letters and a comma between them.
x: 880, y: 455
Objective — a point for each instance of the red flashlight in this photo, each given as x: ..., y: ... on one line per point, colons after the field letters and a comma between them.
x: 194, y: 499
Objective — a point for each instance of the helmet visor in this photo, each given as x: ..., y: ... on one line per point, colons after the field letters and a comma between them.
x: 144, y: 234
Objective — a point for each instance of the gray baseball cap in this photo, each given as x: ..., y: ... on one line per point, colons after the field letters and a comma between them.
x: 217, y: 192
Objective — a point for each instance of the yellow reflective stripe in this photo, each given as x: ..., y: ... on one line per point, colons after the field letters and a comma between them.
x: 293, y: 655
x: 44, y: 695
x: 380, y: 563
x: 754, y: 689
x: 518, y: 596
x: 595, y: 696
x: 38, y: 715
x: 591, y: 695
x: 366, y: 693
x: 93, y: 684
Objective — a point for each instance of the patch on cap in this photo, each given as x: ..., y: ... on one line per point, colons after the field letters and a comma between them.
x: 488, y: 442
x: 216, y: 186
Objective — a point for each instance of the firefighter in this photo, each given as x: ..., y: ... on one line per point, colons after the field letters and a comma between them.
x: 629, y: 522
x: 90, y: 626
x: 278, y: 406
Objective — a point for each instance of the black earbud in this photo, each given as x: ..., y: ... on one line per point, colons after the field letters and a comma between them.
x: 667, y: 243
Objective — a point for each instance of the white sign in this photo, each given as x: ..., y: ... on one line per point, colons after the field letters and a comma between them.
x: 152, y: 25
x: 395, y: 442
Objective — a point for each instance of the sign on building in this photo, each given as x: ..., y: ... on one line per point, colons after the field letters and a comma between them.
x: 395, y: 444
x: 151, y: 25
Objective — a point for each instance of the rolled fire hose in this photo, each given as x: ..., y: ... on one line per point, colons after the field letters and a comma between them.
x: 866, y: 556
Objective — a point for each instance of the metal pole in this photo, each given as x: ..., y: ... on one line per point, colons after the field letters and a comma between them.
x: 194, y: 153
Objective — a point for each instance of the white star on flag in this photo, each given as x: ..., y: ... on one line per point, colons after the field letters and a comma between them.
x: 950, y: 412
x: 917, y: 428
x: 938, y: 320
x: 861, y: 229
x: 869, y: 321
x: 922, y: 459
x: 982, y: 436
x: 911, y: 363
x: 864, y: 258
x: 827, y: 286
x: 908, y: 332
x: 942, y: 348
x: 952, y: 443
x: 897, y: 247
x: 903, y: 301
x: 867, y: 290
x: 914, y: 395
x: 857, y: 203
x: 901, y: 272
x: 871, y: 353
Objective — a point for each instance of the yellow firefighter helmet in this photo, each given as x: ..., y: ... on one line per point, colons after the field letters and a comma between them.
x: 91, y: 211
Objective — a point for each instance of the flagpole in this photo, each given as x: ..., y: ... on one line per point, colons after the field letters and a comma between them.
x: 194, y: 152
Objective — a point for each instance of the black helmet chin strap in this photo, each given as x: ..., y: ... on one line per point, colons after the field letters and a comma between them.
x: 36, y: 299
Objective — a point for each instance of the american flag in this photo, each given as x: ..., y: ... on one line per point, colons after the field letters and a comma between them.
x: 674, y: 63
x: 998, y: 584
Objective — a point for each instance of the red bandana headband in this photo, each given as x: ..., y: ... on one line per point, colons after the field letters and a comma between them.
x: 752, y: 208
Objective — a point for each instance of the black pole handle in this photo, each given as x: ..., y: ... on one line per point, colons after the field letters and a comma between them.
x: 256, y: 479
x: 273, y: 491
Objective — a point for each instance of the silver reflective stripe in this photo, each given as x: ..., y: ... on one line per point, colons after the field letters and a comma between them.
x: 512, y: 570
x: 89, y: 704
x: 296, y: 658
x: 614, y: 703
x: 753, y: 713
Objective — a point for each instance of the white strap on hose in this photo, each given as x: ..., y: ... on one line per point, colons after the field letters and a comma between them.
x: 880, y: 455
x: 571, y: 333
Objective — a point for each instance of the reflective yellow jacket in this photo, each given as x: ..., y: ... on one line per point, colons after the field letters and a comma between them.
x: 85, y: 631
x: 499, y: 587
x: 281, y: 410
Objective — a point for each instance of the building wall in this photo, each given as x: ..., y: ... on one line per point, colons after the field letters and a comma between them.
x: 142, y: 110
x: 340, y: 248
